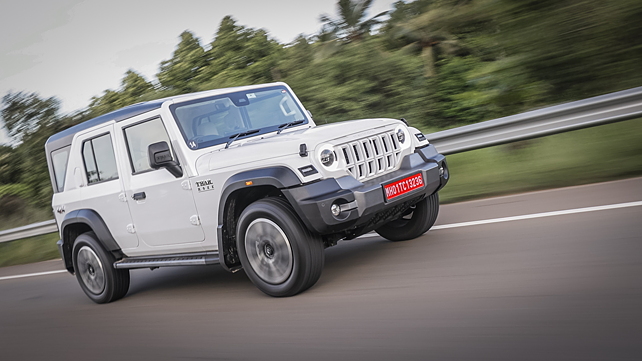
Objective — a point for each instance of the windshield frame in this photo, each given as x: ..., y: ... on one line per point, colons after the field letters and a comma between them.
x: 193, y: 145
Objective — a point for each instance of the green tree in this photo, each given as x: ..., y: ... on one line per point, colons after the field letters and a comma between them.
x: 579, y: 47
x: 440, y: 29
x: 34, y: 172
x: 177, y: 74
x: 401, y: 13
x: 9, y: 170
x: 360, y: 80
x: 24, y: 113
x: 134, y: 88
x: 352, y: 24
x: 296, y: 58
x: 239, y: 56
x: 33, y: 120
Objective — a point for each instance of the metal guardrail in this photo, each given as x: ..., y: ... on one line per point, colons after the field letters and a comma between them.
x: 35, y: 229
x: 561, y: 118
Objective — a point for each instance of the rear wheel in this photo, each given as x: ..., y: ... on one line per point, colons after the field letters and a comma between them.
x: 94, y: 268
x: 278, y: 253
x: 415, y: 222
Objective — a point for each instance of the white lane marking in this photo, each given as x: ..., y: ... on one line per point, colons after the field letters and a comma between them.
x: 540, y: 215
x: 530, y: 216
x: 32, y: 275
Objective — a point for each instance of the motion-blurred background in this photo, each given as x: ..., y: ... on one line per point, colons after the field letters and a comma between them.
x: 438, y: 63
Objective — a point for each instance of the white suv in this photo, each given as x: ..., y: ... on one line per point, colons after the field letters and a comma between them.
x: 241, y: 177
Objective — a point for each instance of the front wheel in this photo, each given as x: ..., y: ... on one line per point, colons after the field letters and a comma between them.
x: 417, y: 221
x: 94, y: 268
x: 278, y: 253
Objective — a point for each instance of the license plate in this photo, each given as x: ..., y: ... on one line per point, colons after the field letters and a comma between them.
x: 403, y: 186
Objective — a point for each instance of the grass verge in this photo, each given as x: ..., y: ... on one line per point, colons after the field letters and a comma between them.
x: 591, y: 155
x: 29, y: 250
x: 21, y: 213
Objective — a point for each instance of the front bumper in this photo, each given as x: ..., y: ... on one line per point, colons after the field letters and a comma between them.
x: 363, y: 205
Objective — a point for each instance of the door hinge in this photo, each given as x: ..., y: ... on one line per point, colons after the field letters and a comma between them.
x: 131, y: 229
x: 122, y: 197
x: 186, y: 185
x: 194, y: 220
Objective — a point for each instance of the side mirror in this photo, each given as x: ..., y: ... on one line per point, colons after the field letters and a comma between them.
x: 160, y: 156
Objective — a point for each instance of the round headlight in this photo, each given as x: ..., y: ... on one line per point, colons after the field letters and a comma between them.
x: 401, y: 136
x: 327, y: 157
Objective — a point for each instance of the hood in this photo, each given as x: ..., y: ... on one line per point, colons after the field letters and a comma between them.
x: 271, y: 146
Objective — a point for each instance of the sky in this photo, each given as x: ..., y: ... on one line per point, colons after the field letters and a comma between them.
x: 76, y: 49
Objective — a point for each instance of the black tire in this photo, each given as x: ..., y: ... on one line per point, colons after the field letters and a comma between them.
x: 414, y: 223
x: 94, y: 268
x: 278, y: 253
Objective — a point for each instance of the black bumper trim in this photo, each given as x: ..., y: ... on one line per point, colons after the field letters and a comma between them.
x: 67, y: 262
x: 313, y: 201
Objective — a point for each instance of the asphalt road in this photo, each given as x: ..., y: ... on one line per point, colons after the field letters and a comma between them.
x: 561, y: 287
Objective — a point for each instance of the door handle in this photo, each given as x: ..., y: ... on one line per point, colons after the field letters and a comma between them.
x: 139, y: 196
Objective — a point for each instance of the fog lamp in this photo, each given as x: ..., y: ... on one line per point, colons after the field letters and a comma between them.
x: 335, y: 209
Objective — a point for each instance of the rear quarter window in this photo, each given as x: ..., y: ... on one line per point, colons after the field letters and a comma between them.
x: 59, y: 161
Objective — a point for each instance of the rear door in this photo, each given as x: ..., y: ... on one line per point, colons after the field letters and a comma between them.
x: 97, y: 183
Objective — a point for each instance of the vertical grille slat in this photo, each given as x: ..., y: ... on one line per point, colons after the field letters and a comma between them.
x: 345, y: 154
x: 375, y: 144
x: 370, y: 157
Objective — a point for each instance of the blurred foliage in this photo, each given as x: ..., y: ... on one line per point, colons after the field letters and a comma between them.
x: 361, y: 80
x: 238, y: 56
x: 559, y: 160
x: 29, y: 250
x: 32, y: 120
x: 351, y: 25
x: 9, y: 170
x: 134, y: 88
x: 179, y: 72
x: 23, y: 113
x: 578, y: 47
x: 437, y: 63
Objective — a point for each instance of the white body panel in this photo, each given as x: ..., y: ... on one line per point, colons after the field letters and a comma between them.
x: 177, y: 215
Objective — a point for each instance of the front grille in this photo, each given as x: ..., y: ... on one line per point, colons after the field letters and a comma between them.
x: 369, y: 157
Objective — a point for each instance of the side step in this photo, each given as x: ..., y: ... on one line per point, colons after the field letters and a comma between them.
x: 184, y: 259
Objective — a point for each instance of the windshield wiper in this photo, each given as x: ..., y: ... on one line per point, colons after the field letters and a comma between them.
x: 287, y: 125
x: 242, y: 134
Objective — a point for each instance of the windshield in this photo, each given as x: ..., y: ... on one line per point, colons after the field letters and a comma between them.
x: 215, y: 120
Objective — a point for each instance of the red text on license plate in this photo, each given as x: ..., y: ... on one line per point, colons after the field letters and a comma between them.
x: 403, y: 186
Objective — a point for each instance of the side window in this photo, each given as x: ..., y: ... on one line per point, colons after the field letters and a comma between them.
x: 139, y: 137
x: 59, y: 161
x: 100, y: 162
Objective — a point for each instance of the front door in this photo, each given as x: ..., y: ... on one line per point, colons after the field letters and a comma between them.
x: 162, y: 206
